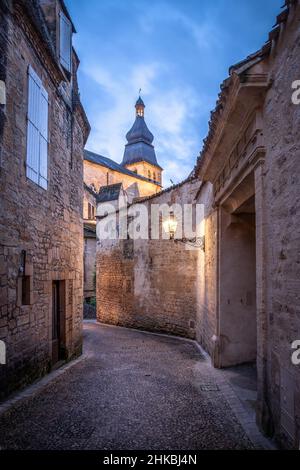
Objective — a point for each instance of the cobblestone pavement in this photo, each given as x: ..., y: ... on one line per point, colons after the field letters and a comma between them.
x: 133, y: 390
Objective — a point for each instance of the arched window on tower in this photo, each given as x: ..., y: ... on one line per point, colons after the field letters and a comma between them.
x: 149, y: 174
x: 91, y: 211
x: 140, y: 106
x: 154, y: 177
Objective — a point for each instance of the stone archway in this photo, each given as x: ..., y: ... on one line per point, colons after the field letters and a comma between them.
x: 237, y: 276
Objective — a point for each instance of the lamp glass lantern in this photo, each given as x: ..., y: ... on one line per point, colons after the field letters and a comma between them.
x: 170, y: 225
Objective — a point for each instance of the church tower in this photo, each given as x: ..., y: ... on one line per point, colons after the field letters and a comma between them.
x: 139, y: 155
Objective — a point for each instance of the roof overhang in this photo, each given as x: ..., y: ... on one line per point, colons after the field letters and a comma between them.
x: 246, y: 93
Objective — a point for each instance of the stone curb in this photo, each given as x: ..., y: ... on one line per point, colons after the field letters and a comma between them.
x: 246, y: 419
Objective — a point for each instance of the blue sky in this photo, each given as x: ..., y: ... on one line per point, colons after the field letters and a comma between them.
x: 177, y: 51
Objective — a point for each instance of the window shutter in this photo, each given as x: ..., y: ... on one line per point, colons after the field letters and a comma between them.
x: 37, y: 131
x: 43, y: 167
x: 33, y: 134
x: 65, y: 42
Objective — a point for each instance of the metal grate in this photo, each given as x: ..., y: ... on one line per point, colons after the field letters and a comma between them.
x: 209, y: 388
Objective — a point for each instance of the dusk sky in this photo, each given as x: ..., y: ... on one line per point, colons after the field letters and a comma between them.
x: 177, y: 51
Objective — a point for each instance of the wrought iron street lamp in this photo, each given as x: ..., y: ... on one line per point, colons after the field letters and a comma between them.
x: 170, y: 227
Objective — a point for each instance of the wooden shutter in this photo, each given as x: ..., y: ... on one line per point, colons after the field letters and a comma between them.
x: 65, y: 35
x: 33, y: 133
x: 37, y: 131
x: 43, y: 166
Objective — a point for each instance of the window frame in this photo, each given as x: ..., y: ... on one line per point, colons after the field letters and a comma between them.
x: 37, y: 130
x: 91, y: 211
x: 65, y: 62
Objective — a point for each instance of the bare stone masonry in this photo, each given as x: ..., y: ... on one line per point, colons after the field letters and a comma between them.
x: 149, y: 284
x: 41, y: 246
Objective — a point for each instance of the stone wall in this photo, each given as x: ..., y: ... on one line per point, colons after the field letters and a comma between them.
x: 100, y: 176
x: 146, y: 170
x: 160, y: 285
x: 150, y: 284
x: 89, y: 264
x: 264, y: 166
x: 47, y: 224
x: 89, y: 197
x: 281, y: 205
x: 206, y: 319
x: 3, y: 61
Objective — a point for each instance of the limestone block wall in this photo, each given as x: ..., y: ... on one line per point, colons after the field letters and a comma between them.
x: 150, y: 284
x: 100, y: 176
x: 47, y: 224
x: 280, y: 199
x: 146, y: 170
x: 207, y: 270
x: 89, y: 265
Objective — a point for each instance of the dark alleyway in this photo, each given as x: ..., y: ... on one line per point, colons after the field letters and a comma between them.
x: 133, y: 390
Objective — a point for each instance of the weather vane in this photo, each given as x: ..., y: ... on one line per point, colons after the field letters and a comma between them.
x: 140, y: 91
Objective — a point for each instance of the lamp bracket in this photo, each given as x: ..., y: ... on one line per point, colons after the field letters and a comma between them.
x: 196, y: 242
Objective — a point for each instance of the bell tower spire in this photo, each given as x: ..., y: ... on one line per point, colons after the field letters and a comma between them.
x: 139, y: 155
x: 140, y: 106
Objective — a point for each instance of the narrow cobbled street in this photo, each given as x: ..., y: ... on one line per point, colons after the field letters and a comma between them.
x: 131, y: 390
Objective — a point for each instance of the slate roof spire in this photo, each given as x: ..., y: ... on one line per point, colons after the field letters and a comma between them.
x: 139, y: 147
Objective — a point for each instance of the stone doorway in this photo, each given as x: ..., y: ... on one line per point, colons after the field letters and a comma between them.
x: 237, y: 277
x: 58, y: 321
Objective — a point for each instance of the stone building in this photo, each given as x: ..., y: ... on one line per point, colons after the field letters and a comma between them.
x: 238, y: 295
x: 43, y: 131
x: 251, y: 159
x: 139, y: 173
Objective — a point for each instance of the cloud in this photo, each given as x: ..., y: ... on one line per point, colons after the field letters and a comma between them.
x: 175, y: 140
x: 177, y: 51
x: 142, y: 55
x: 168, y: 116
x: 205, y: 34
x: 120, y: 91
